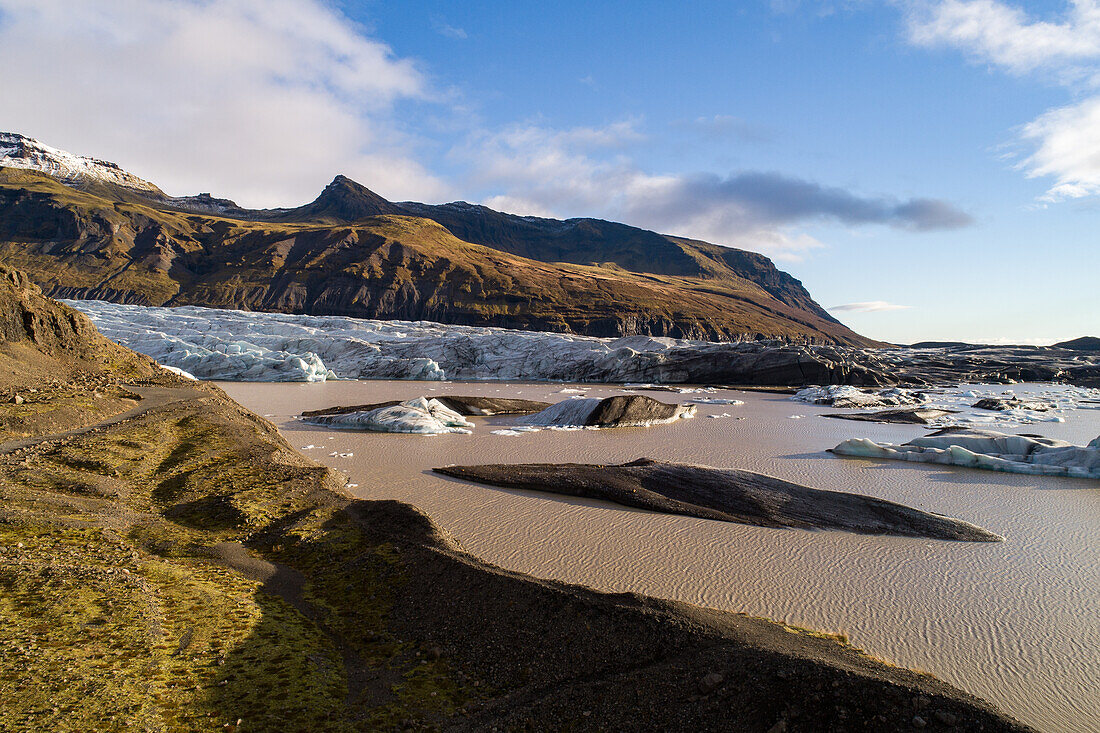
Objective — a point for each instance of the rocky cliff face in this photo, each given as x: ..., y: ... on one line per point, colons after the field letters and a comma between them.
x: 351, y: 252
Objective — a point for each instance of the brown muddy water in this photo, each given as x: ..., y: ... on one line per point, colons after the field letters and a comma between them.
x: 1016, y: 622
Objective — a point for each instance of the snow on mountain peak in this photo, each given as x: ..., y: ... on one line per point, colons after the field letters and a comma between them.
x: 20, y: 151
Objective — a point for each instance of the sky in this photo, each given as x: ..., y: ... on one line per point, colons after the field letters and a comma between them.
x: 930, y: 169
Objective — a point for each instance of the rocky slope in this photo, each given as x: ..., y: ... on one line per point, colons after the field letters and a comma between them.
x: 84, y: 230
x: 179, y: 567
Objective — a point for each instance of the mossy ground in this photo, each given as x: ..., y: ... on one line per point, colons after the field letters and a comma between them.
x: 119, y: 613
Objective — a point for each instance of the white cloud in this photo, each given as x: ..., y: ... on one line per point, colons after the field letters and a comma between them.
x: 869, y: 306
x: 586, y: 172
x: 260, y: 100
x: 1065, y: 141
x: 1010, y: 341
x: 1067, y: 148
x: 1004, y: 35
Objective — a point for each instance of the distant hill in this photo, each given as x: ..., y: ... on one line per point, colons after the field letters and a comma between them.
x: 83, y: 228
x: 1085, y: 343
x: 938, y: 344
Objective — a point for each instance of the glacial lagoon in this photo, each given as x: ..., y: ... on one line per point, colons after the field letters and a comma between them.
x: 1016, y: 622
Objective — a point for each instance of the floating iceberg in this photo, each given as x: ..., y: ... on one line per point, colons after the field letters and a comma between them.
x: 989, y: 450
x: 842, y: 395
x: 959, y: 409
x: 611, y: 412
x: 572, y: 412
x: 421, y: 416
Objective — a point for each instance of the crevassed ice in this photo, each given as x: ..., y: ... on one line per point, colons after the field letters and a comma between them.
x: 245, y: 346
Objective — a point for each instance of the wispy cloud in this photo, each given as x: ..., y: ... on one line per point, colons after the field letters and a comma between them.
x: 1065, y: 141
x: 725, y: 127
x: 262, y: 100
x: 588, y: 172
x: 870, y: 306
x: 443, y: 28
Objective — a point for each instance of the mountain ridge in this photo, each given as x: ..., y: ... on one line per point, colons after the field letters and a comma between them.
x: 352, y: 252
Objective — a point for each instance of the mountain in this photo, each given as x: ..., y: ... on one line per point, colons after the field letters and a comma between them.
x: 83, y: 228
x: 19, y: 151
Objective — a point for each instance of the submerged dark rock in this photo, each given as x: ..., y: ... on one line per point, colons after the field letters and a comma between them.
x: 728, y: 495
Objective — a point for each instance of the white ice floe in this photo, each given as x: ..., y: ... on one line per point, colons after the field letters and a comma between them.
x: 1054, y: 402
x: 421, y: 415
x: 716, y: 401
x: 989, y: 450
x: 842, y: 395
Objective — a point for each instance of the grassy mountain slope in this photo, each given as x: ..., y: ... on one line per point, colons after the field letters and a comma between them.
x: 351, y: 252
x: 179, y: 567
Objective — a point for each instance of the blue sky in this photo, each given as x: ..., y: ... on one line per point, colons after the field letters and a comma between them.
x: 932, y: 165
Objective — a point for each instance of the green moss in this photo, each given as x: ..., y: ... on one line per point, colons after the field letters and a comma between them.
x: 118, y: 615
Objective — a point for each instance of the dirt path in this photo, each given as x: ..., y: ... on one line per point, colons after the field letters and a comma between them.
x: 152, y: 398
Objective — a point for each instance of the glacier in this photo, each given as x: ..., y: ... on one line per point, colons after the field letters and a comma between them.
x: 988, y: 450
x: 236, y: 345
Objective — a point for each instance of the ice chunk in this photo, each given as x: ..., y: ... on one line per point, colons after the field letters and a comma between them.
x: 842, y: 395
x: 421, y: 415
x: 571, y: 412
x: 987, y: 450
x: 618, y: 411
